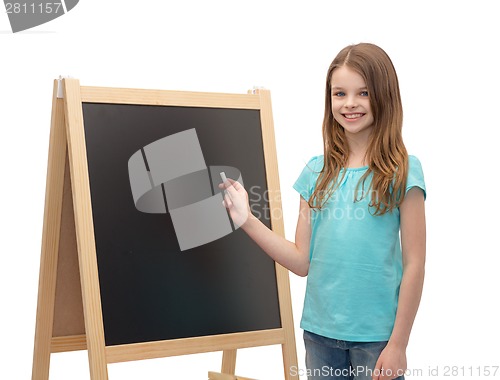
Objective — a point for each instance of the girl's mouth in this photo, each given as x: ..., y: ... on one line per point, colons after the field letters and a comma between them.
x: 353, y: 116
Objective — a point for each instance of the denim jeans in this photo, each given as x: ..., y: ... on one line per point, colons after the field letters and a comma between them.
x: 332, y: 359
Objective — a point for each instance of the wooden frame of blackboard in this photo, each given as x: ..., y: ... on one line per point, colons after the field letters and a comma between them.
x: 69, y: 312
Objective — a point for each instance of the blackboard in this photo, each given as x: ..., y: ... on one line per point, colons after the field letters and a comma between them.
x: 116, y: 278
x: 150, y: 289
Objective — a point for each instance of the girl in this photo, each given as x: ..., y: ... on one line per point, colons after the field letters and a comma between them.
x: 360, y: 235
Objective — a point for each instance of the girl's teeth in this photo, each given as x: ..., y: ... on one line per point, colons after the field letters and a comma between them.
x: 353, y: 116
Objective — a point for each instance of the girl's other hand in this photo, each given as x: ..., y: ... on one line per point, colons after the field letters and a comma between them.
x: 236, y: 201
x: 391, y: 363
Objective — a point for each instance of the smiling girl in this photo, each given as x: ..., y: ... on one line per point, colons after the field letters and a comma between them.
x: 360, y: 234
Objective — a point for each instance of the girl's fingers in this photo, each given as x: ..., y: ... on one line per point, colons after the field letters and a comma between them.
x: 230, y: 183
x: 235, y: 184
x: 227, y: 202
x: 231, y: 187
x: 377, y: 370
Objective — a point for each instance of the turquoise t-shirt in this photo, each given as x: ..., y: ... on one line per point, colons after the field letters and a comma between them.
x: 355, y: 260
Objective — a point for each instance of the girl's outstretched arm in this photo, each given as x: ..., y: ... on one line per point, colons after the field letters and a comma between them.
x: 293, y: 256
x: 412, y: 214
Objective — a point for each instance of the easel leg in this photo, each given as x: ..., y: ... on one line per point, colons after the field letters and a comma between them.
x: 229, y: 362
x: 223, y: 376
x: 228, y: 368
x: 50, y: 242
x: 289, y: 347
x: 87, y: 259
x: 289, y: 362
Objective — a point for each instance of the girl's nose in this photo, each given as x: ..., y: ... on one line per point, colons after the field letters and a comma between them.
x: 350, y: 102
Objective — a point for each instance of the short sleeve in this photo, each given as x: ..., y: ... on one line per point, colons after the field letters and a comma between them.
x: 306, y: 182
x: 415, y: 175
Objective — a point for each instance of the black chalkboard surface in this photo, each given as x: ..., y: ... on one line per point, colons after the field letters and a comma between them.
x: 150, y: 289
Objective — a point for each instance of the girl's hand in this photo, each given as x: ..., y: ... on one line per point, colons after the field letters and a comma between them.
x: 236, y: 201
x: 390, y: 364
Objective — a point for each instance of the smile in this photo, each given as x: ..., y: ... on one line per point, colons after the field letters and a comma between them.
x: 353, y: 116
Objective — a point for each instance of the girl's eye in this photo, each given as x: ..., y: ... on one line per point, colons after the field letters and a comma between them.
x: 364, y: 93
x: 339, y: 93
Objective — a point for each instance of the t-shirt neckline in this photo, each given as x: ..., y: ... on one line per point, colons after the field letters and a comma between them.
x: 358, y: 169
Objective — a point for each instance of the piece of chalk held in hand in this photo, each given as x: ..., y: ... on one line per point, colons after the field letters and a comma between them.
x: 223, y: 176
x: 224, y: 180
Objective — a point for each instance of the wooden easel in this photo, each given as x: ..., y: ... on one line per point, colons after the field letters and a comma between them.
x: 69, y: 312
x: 221, y: 376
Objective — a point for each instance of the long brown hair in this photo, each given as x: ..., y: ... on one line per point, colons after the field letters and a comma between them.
x: 386, y: 154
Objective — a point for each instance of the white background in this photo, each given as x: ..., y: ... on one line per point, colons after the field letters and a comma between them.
x: 446, y: 55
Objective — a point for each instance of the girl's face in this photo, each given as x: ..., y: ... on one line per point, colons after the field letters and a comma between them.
x: 350, y: 101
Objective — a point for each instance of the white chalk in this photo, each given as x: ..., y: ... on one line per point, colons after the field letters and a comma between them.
x: 224, y: 180
x: 223, y: 176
